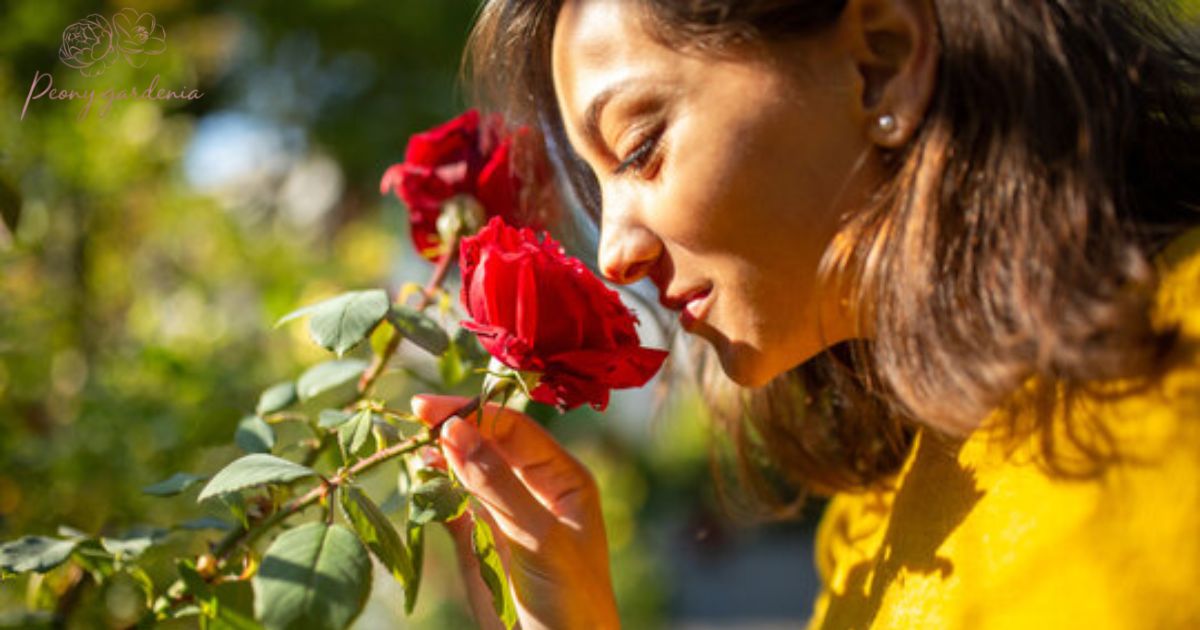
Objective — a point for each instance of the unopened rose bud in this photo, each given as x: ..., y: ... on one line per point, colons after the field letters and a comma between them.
x: 461, y: 216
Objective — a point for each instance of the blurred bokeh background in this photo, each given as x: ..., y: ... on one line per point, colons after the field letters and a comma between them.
x: 159, y: 240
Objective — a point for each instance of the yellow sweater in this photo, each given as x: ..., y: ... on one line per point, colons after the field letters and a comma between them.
x: 971, y: 538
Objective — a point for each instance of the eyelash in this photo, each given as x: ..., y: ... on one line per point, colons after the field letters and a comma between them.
x: 638, y: 158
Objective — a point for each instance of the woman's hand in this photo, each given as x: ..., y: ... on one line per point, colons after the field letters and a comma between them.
x: 545, y: 510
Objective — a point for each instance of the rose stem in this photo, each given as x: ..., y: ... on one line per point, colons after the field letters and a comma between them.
x: 435, y: 282
x: 248, y: 536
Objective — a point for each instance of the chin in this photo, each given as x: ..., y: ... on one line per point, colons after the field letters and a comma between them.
x: 752, y: 368
x: 745, y: 365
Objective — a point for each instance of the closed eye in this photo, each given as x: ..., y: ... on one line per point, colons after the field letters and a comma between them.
x: 639, y: 156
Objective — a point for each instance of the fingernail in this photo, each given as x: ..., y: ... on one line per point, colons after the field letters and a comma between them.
x: 432, y: 458
x: 460, y: 436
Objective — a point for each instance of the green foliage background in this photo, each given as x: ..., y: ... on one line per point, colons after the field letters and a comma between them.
x: 136, y: 305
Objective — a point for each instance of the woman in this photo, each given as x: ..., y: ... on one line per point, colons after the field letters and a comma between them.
x: 930, y: 238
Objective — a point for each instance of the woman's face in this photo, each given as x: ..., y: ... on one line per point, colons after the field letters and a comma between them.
x: 722, y: 178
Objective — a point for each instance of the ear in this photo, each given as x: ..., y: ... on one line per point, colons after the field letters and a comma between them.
x: 895, y: 48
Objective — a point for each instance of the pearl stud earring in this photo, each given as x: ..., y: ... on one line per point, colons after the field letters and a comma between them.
x: 886, y: 123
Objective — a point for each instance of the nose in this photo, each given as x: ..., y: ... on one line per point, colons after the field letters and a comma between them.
x: 628, y: 249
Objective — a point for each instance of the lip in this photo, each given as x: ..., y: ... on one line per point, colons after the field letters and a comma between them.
x: 695, y: 308
x: 676, y: 301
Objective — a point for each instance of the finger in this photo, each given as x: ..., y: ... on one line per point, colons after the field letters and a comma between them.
x: 432, y: 457
x: 554, y: 477
x: 433, y: 409
x: 489, y: 477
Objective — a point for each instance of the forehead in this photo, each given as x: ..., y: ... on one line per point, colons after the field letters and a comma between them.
x: 597, y: 43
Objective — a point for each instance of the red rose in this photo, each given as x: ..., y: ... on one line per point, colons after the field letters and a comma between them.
x: 465, y: 156
x: 538, y: 310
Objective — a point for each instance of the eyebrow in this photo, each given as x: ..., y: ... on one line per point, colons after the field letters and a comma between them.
x: 591, y: 116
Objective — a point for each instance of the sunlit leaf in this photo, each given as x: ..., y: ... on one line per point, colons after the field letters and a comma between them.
x: 34, y: 553
x: 483, y: 544
x: 313, y: 577
x: 253, y: 470
x: 378, y: 533
x: 174, y: 484
x: 133, y: 543
x: 451, y: 367
x: 419, y: 329
x: 330, y: 418
x: 437, y: 499
x: 414, y: 535
x: 340, y: 323
x: 380, y: 337
x: 275, y: 398
x: 66, y: 531
x: 93, y: 557
x: 254, y: 435
x: 328, y: 376
x: 353, y: 435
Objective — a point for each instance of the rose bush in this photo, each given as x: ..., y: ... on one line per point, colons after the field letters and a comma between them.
x: 469, y: 155
x: 538, y: 310
x: 138, y: 34
x: 279, y: 564
x: 87, y: 45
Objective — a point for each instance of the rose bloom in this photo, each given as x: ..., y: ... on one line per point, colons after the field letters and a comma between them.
x: 538, y: 310
x: 468, y: 155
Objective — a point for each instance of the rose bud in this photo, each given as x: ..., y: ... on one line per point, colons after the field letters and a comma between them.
x: 535, y: 309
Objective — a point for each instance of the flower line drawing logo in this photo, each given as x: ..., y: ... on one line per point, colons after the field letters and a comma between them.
x: 93, y: 44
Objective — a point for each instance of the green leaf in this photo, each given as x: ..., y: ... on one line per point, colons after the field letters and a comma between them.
x: 483, y: 543
x: 330, y: 418
x: 254, y: 435
x: 328, y: 376
x: 340, y: 323
x: 451, y: 367
x: 275, y: 398
x: 380, y: 338
x: 437, y: 499
x: 34, y: 553
x: 95, y: 559
x: 237, y: 506
x: 194, y: 584
x: 174, y: 484
x: 253, y: 470
x: 353, y: 434
x: 312, y: 577
x: 66, y: 531
x: 205, y: 522
x: 470, y: 348
x: 134, y: 542
x: 414, y: 534
x: 233, y: 607
x: 378, y: 533
x: 419, y: 329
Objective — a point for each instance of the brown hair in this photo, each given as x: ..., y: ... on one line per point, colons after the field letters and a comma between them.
x: 1007, y: 261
